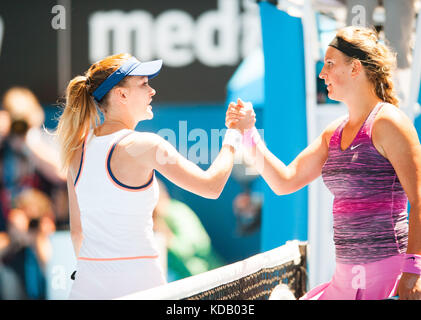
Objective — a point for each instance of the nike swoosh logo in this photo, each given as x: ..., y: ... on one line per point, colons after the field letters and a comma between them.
x: 413, y: 258
x: 353, y: 147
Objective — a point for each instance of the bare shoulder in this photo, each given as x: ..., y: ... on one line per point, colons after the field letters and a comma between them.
x: 141, y: 145
x: 331, y: 127
x: 141, y: 139
x: 391, y: 122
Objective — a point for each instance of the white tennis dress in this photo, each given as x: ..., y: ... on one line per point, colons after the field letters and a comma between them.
x: 118, y: 254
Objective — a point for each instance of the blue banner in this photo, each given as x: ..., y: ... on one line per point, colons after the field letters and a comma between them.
x: 284, y: 121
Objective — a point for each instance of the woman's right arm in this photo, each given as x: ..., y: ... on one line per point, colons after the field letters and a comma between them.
x: 188, y: 175
x: 306, y: 167
x: 164, y: 158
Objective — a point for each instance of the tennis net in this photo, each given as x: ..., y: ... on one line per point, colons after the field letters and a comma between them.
x: 279, y: 273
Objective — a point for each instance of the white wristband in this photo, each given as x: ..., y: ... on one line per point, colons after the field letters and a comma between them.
x: 233, y: 137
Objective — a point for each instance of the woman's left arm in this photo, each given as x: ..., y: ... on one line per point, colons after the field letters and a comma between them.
x: 395, y: 137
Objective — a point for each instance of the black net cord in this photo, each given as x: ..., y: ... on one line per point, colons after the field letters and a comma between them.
x: 259, y: 285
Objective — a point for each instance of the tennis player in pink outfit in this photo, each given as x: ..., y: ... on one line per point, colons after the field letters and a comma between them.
x: 371, y: 162
x: 111, y: 176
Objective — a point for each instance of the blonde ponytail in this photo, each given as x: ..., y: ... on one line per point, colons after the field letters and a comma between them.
x: 79, y: 116
x: 80, y: 113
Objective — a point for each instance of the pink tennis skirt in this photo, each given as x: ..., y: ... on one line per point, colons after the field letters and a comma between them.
x: 372, y: 281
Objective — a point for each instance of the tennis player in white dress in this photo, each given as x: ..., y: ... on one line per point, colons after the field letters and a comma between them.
x: 111, y: 175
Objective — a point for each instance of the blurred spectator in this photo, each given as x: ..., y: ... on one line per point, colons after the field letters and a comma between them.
x: 39, y: 212
x: 61, y: 208
x: 4, y: 125
x: 28, y: 157
x: 189, y: 247
x: 247, y: 209
x: 26, y: 249
x: 247, y: 205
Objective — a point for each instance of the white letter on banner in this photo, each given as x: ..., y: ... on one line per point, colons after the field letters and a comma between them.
x: 200, y: 147
x: 224, y: 23
x: 174, y: 35
x: 116, y: 32
x: 251, y: 34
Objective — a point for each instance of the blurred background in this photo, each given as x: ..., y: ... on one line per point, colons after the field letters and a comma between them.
x: 266, y: 52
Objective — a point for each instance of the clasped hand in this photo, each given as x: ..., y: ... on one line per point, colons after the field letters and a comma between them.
x: 240, y: 116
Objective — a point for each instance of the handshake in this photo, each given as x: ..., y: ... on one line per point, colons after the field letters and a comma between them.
x: 240, y: 116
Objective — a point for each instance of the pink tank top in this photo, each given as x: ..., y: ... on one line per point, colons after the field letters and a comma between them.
x: 370, y: 205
